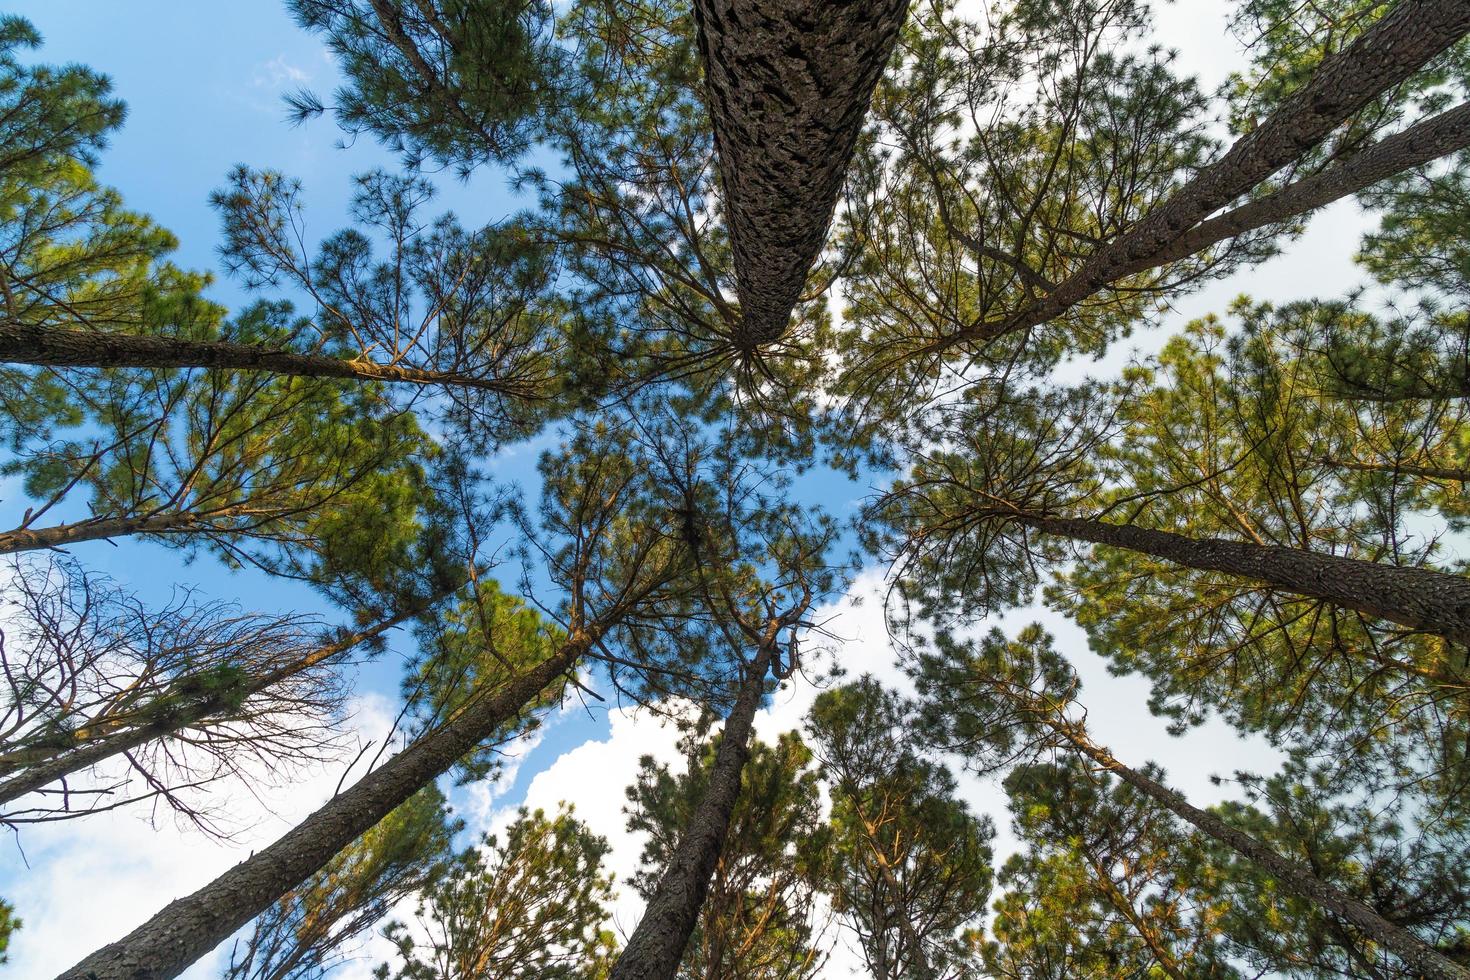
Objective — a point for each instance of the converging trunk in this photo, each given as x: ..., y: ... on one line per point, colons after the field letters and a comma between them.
x: 124, y: 738
x: 657, y: 945
x: 1408, y: 37
x: 788, y: 84
x: 186, y: 929
x: 55, y: 347
x: 1423, y: 959
x: 1434, y: 602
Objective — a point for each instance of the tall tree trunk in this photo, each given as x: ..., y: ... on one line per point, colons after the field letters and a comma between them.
x: 54, y: 347
x: 1416, y: 954
x: 1126, y: 908
x: 1402, y: 42
x: 657, y: 945
x: 187, y: 928
x: 116, y: 738
x: 788, y: 84
x: 1418, y: 598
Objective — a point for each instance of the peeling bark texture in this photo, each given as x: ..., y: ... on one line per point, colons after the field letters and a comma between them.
x: 33, y: 777
x: 54, y: 347
x: 1409, y: 36
x: 788, y: 84
x: 1418, y: 598
x: 657, y: 945
x: 1424, y: 960
x: 189, y: 927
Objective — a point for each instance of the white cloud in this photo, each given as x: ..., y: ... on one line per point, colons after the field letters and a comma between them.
x: 278, y: 72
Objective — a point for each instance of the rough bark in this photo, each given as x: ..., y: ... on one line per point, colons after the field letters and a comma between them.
x: 1416, y: 954
x: 1408, y: 36
x: 657, y: 945
x: 187, y: 928
x: 1407, y: 469
x: 1421, y: 599
x: 788, y: 84
x: 53, y: 347
x: 103, y: 746
x: 97, y: 529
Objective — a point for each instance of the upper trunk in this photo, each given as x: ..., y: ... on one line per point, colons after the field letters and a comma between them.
x: 788, y: 83
x: 1421, y: 599
x: 1418, y: 955
x: 187, y: 928
x: 657, y: 945
x: 1408, y: 36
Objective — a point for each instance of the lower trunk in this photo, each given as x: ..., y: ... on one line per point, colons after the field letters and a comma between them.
x: 65, y: 762
x: 189, y: 927
x: 657, y: 945
x: 1434, y: 602
x: 1423, y: 959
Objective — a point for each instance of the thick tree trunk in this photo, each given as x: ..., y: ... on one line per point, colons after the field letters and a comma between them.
x: 189, y: 927
x: 1416, y: 954
x: 35, y: 774
x: 1418, y: 598
x: 1409, y: 36
x: 657, y: 945
x: 788, y: 84
x: 53, y: 347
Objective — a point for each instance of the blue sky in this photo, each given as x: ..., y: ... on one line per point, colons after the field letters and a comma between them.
x: 204, y: 80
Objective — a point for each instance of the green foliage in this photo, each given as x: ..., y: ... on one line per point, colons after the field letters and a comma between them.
x: 759, y: 918
x: 458, y: 83
x: 530, y: 906
x: 1101, y: 888
x: 486, y: 641
x: 1405, y: 863
x: 908, y: 866
x: 8, y: 926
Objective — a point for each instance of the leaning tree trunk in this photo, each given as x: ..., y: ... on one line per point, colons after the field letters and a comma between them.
x: 1416, y: 954
x: 100, y: 529
x: 1408, y: 36
x: 657, y: 945
x: 186, y: 929
x: 788, y: 84
x: 54, y: 347
x: 193, y: 712
x: 1418, y: 598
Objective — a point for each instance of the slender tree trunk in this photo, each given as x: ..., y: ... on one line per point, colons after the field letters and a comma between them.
x: 1408, y: 469
x: 1418, y: 598
x: 1416, y: 954
x: 657, y: 945
x: 788, y: 84
x: 1408, y: 36
x: 53, y: 347
x: 189, y: 927
x: 37, y: 773
x: 98, y: 529
x: 916, y: 962
x: 1424, y: 142
x: 1126, y: 908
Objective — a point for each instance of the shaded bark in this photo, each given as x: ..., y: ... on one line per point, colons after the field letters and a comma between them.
x: 187, y: 928
x: 54, y: 347
x: 1407, y: 469
x: 1291, y: 877
x: 657, y: 945
x: 1409, y: 36
x: 100, y: 529
x: 101, y: 746
x: 1418, y: 598
x: 788, y: 84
